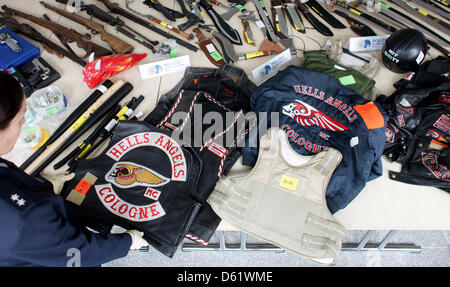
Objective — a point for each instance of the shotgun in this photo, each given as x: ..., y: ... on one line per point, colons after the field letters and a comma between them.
x: 82, y: 43
x: 119, y: 46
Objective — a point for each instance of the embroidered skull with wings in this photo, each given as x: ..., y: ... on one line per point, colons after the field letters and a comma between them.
x: 306, y: 115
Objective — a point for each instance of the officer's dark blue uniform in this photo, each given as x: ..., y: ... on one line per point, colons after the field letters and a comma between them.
x: 36, y: 228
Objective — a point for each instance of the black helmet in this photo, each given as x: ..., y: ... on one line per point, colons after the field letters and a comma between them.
x: 404, y: 50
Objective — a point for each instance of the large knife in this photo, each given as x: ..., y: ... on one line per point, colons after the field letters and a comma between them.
x: 357, y: 26
x: 324, y: 30
x: 209, y: 48
x: 322, y: 12
x: 264, y: 16
x: 221, y: 25
x: 294, y: 16
x: 278, y: 18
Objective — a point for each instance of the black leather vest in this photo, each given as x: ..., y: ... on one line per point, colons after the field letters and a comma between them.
x: 226, y: 92
x: 143, y: 180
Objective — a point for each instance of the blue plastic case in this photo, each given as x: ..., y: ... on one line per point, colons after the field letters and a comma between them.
x: 8, y: 58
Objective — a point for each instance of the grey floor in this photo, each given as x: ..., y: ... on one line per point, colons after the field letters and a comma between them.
x: 435, y: 252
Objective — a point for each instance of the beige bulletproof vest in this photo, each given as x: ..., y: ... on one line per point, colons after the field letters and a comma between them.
x: 282, y: 200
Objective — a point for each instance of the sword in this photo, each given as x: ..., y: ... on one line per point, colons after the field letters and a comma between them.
x: 294, y: 16
x: 221, y: 25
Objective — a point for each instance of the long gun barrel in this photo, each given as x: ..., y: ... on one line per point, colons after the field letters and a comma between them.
x: 119, y: 46
x: 30, y: 32
x: 86, y: 45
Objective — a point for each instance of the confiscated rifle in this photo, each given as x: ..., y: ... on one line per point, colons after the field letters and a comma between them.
x: 119, y: 46
x: 115, y: 8
x: 86, y: 45
x: 32, y: 33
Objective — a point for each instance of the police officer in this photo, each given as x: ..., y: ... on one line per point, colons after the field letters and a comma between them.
x: 36, y: 228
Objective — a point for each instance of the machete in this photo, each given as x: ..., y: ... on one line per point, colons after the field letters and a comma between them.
x: 209, y: 48
x: 227, y: 47
x: 322, y: 12
x: 357, y: 26
x: 390, y: 28
x: 411, y: 9
x: 221, y: 25
x: 324, y: 30
x: 370, y: 18
x: 432, y: 17
x: 433, y: 7
x: 294, y: 16
x: 419, y: 26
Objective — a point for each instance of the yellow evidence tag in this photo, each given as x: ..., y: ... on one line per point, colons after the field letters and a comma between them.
x: 289, y: 182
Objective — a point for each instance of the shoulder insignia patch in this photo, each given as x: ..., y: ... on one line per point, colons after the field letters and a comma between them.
x: 15, y: 200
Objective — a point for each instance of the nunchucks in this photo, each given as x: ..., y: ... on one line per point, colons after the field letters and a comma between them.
x: 100, y: 90
x: 94, y: 113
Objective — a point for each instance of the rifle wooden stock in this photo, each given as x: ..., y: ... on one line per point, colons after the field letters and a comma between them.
x: 69, y: 121
x: 119, y: 46
x: 88, y: 46
x: 51, y: 149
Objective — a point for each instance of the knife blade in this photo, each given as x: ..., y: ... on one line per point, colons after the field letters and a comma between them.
x: 221, y: 25
x: 264, y: 16
x: 322, y: 12
x: 357, y: 26
x: 320, y: 27
x: 227, y: 47
x: 209, y: 48
x: 294, y: 16
x: 279, y: 19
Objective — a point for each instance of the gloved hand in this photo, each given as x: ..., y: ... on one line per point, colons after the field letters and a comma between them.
x: 137, y: 242
x: 59, y: 179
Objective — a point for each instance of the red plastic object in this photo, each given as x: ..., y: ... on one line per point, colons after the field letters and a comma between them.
x: 105, y: 67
